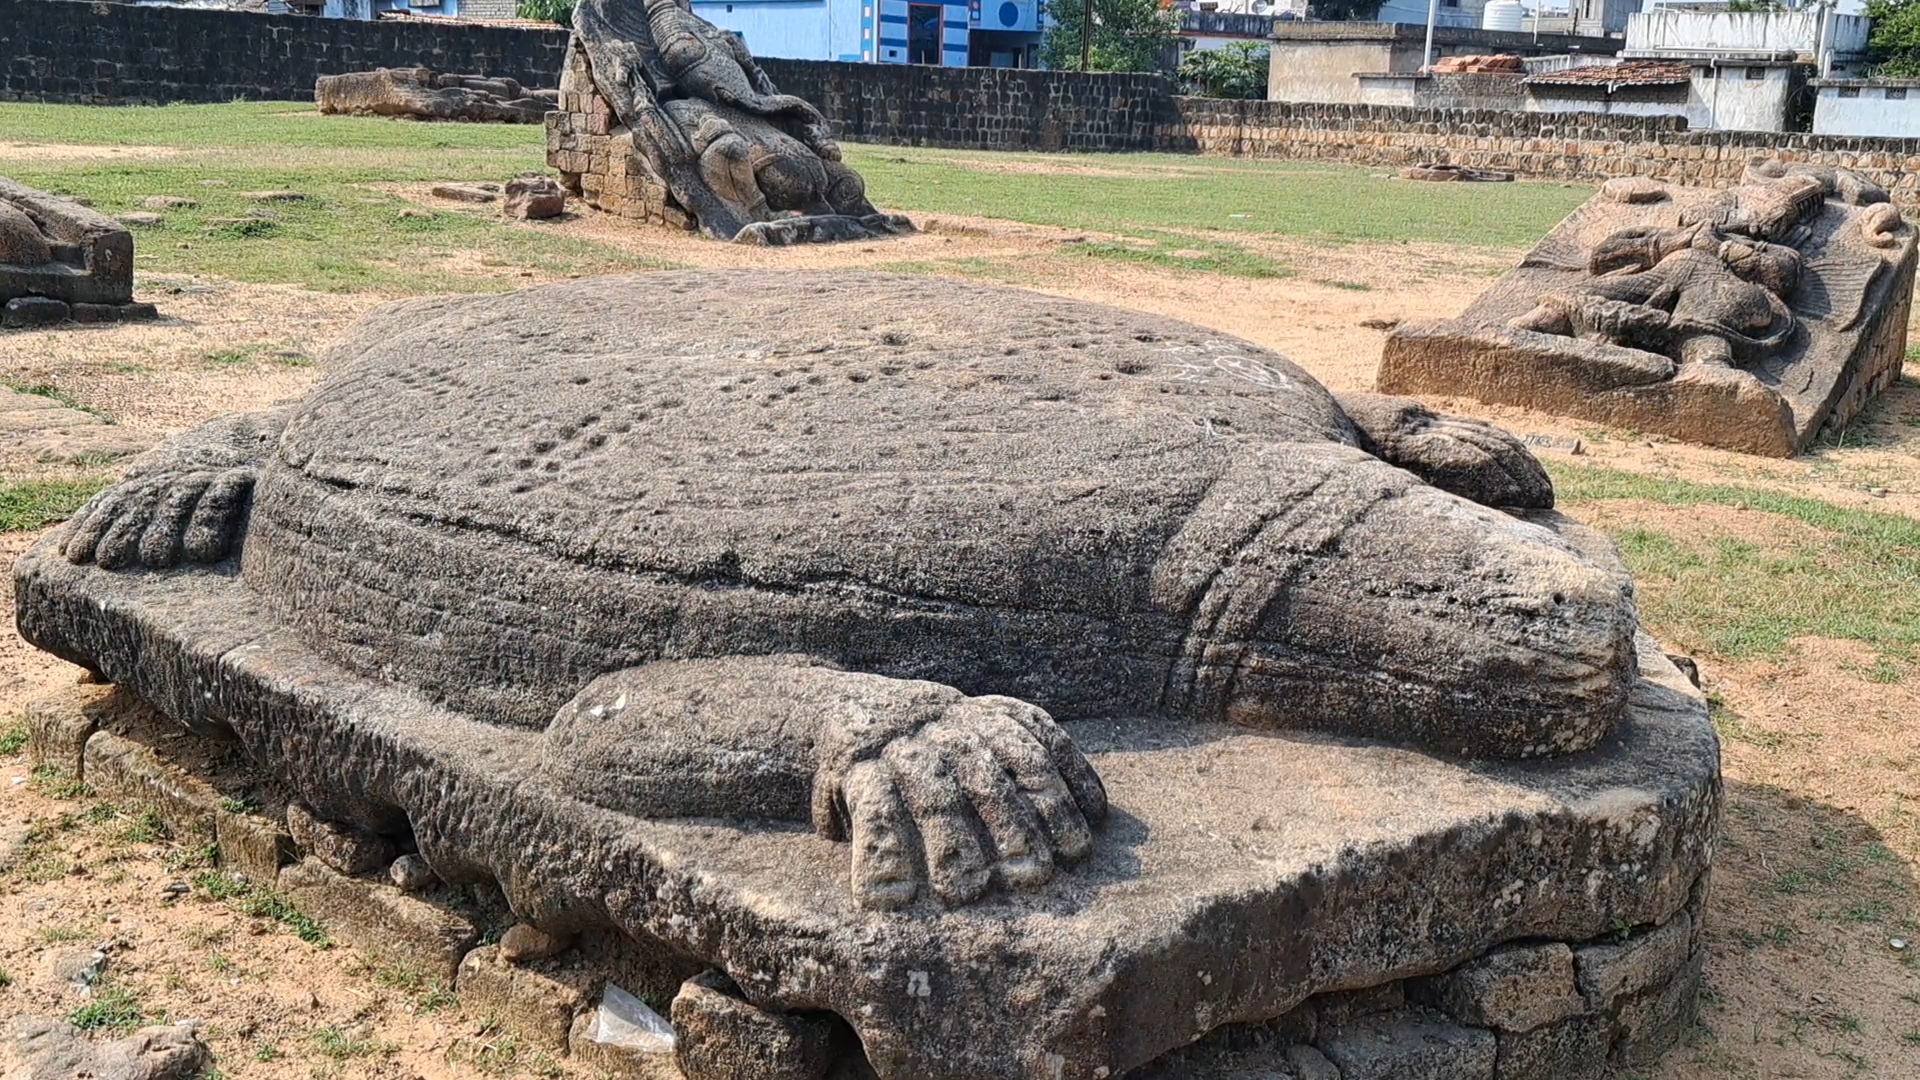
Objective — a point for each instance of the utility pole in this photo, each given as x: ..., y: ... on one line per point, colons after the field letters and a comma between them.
x: 1433, y: 12
x: 1086, y: 37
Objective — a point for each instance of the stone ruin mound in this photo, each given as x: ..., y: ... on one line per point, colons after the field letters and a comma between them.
x: 424, y: 94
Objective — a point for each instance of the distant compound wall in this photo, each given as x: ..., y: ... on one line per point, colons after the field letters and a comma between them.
x: 1546, y: 146
x: 986, y: 108
x: 61, y: 50
x: 101, y: 53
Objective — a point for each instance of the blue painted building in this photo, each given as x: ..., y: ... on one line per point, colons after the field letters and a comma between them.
x: 952, y: 33
x: 371, y: 9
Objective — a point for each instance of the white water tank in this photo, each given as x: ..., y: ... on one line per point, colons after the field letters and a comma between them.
x: 1504, y: 15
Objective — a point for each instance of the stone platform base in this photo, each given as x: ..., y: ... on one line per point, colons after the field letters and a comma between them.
x: 23, y: 312
x: 1532, y: 1009
x: 1722, y: 407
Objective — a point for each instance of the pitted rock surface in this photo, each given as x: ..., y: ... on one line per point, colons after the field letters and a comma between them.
x: 1093, y: 510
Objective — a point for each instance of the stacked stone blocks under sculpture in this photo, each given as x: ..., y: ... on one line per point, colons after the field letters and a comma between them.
x: 594, y: 153
x: 1538, y: 1010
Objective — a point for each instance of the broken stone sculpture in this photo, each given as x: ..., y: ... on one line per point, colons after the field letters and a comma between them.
x: 1035, y: 685
x: 1444, y: 173
x: 424, y: 94
x: 60, y: 260
x: 1751, y: 319
x: 674, y: 115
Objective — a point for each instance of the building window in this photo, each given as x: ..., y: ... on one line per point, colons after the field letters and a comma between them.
x: 1896, y: 93
x: 1755, y: 74
x: 1849, y: 91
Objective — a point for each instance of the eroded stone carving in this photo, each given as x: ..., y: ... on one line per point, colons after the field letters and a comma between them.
x: 425, y: 94
x: 702, y: 131
x: 634, y: 596
x: 1749, y: 318
x: 60, y: 260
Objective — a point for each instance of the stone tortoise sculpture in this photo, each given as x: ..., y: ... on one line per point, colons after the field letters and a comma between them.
x: 841, y: 548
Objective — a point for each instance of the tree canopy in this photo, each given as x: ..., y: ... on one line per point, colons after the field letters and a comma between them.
x: 557, y: 11
x: 1895, y: 42
x: 1128, y: 35
x: 1237, y: 71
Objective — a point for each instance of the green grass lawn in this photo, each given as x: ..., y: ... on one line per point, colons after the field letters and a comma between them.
x: 348, y: 234
x: 1857, y: 577
x: 1165, y: 191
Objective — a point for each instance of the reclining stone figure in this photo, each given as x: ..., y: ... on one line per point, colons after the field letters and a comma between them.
x: 1715, y: 288
x: 830, y: 571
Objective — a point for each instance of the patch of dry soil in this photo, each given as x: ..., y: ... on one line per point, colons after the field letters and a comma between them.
x: 218, y: 347
x: 30, y: 151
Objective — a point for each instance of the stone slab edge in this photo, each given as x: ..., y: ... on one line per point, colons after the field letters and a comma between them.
x: 915, y: 988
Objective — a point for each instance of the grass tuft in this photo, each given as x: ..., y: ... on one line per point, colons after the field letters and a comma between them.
x: 113, y: 1007
x: 31, y: 504
x: 259, y: 902
x: 1851, y: 575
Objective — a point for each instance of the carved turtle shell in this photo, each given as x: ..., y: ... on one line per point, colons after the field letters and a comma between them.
x: 496, y: 499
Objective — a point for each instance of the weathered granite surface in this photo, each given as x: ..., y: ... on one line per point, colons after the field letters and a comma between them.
x: 604, y: 503
x: 1750, y: 319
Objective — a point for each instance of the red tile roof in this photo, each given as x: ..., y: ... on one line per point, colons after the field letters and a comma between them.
x: 1626, y: 73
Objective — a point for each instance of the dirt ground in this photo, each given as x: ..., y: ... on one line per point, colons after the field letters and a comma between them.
x: 1815, y: 880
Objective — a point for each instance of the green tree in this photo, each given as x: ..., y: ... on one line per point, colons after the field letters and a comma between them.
x: 555, y: 11
x: 1237, y: 71
x: 1346, y: 9
x: 1895, y: 42
x: 1128, y: 35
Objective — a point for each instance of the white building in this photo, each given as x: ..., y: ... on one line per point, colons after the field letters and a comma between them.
x: 1886, y: 107
x: 1832, y: 42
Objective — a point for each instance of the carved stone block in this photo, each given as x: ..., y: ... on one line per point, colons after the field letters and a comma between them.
x: 1751, y: 319
x: 421, y: 94
x: 52, y: 249
x: 942, y: 669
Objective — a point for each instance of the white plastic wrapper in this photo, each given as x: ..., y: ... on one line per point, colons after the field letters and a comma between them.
x: 625, y: 1020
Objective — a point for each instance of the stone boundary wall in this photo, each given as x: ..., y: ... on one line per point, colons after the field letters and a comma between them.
x: 118, y: 54
x: 63, y: 50
x: 986, y: 108
x: 1547, y: 146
